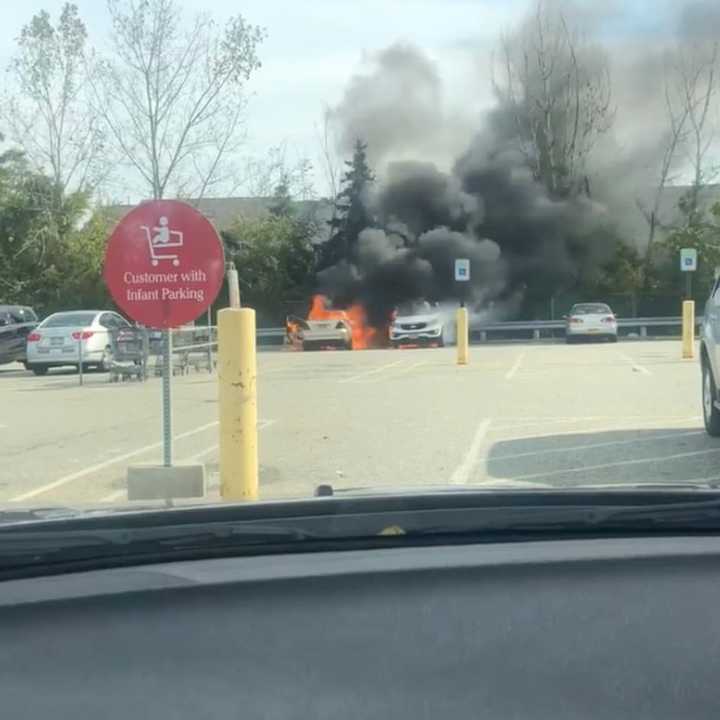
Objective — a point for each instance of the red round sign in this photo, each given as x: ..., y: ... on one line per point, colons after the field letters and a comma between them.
x: 164, y: 264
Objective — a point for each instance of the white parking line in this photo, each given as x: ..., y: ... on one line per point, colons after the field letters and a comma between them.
x: 635, y: 366
x: 373, y: 371
x: 621, y: 463
x: 113, y: 496
x: 404, y: 371
x: 117, y: 494
x: 414, y: 366
x: 106, y: 463
x: 462, y: 472
x: 516, y: 366
x: 594, y: 446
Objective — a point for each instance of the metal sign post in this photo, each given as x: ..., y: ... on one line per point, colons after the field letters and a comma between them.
x: 167, y: 398
x: 233, y: 285
x: 688, y: 265
x: 80, y: 357
x: 462, y: 276
x: 209, y: 347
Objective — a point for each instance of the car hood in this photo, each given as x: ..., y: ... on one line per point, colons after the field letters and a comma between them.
x: 411, y: 319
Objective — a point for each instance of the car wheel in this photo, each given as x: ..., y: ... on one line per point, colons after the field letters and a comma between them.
x: 39, y: 369
x: 711, y: 414
x: 569, y: 339
x: 612, y: 338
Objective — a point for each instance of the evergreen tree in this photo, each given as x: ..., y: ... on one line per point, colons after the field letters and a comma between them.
x: 282, y: 203
x: 351, y: 215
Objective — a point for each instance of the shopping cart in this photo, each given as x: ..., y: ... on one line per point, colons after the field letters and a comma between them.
x: 179, y: 359
x: 159, y: 249
x: 129, y: 351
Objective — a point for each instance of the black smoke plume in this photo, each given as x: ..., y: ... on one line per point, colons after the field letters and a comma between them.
x: 488, y: 209
x: 525, y: 244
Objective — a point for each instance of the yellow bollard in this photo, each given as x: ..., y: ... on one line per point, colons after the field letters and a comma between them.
x: 237, y: 386
x: 688, y: 329
x: 462, y: 336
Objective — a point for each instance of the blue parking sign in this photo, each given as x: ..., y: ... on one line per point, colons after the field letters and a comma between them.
x: 462, y: 270
x: 688, y: 259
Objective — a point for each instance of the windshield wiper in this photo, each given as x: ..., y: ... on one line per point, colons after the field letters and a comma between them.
x: 337, y: 523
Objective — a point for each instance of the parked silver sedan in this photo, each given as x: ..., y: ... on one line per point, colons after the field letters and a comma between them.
x: 63, y: 338
x: 588, y: 320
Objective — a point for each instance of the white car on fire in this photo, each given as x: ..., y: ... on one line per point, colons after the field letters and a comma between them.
x: 319, y: 334
x: 420, y: 323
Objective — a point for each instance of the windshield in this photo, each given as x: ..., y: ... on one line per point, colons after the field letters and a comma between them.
x: 414, y: 308
x: 281, y: 249
x: 68, y: 320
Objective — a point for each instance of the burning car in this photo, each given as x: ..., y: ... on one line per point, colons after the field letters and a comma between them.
x: 318, y: 334
x: 328, y: 326
x: 420, y: 323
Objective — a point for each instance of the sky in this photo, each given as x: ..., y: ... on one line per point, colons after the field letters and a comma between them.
x: 314, y: 47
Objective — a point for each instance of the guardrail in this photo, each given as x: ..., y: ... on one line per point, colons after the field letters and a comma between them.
x: 195, y: 346
x: 538, y: 328
x: 481, y: 332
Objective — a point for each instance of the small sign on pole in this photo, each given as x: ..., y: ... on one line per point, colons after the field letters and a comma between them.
x: 688, y: 264
x: 462, y: 270
x: 688, y: 259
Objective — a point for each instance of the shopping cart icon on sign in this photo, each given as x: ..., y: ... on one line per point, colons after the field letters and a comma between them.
x: 162, y: 241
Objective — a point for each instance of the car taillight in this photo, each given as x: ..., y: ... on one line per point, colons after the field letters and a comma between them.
x: 33, y: 337
x: 609, y: 318
x: 84, y: 335
x: 575, y: 320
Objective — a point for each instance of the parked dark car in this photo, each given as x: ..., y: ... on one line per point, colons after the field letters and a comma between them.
x: 16, y: 323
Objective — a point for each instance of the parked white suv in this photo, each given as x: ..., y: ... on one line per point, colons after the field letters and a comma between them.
x: 420, y: 323
x: 710, y: 361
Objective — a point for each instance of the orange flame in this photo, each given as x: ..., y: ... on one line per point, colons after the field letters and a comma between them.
x: 363, y: 335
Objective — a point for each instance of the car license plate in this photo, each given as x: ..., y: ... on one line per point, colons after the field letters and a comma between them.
x: 593, y: 330
x: 56, y: 341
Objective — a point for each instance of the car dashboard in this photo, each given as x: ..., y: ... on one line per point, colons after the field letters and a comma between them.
x: 591, y: 628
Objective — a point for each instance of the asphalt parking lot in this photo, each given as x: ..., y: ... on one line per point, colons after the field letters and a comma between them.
x: 519, y: 415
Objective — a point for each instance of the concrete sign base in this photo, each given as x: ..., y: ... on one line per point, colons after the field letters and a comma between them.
x: 158, y: 482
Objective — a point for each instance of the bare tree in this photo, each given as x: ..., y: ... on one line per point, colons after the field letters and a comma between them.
x: 47, y: 113
x: 329, y: 160
x: 173, y: 95
x: 263, y: 176
x: 673, y: 141
x: 555, y: 88
x: 696, y: 72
